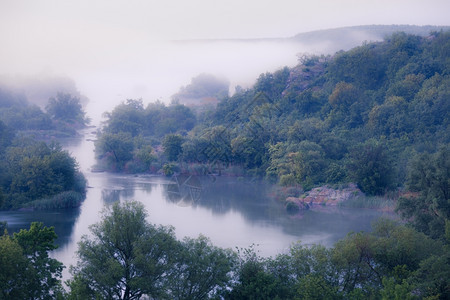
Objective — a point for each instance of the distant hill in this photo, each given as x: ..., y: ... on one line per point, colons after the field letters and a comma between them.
x: 329, y: 41
x: 345, y: 38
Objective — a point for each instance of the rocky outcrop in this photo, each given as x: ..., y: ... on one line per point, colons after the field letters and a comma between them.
x: 324, y: 196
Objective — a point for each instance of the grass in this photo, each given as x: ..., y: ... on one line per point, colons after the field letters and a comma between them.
x: 64, y: 200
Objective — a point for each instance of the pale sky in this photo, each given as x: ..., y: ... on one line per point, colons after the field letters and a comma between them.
x: 185, y: 19
x: 91, y: 40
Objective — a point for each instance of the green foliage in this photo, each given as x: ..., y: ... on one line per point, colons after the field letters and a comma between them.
x: 254, y: 280
x: 37, y: 171
x: 27, y: 270
x: 13, y: 270
x: 313, y: 287
x: 115, y: 148
x: 67, y: 108
x: 126, y: 142
x: 432, y: 277
x: 126, y: 256
x: 63, y: 200
x: 394, y: 291
x: 354, y: 116
x: 172, y: 146
x: 168, y: 169
x: 201, y: 271
x: 371, y: 168
x: 430, y: 209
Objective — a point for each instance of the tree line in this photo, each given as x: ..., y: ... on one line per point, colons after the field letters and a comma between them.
x: 62, y: 115
x: 126, y: 257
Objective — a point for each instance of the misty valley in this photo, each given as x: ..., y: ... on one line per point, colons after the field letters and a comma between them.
x: 327, y: 179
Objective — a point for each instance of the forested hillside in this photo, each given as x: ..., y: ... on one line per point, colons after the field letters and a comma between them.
x: 358, y: 116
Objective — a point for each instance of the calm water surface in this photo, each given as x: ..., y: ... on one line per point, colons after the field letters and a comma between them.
x: 231, y: 212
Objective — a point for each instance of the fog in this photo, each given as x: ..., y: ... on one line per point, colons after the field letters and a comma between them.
x: 114, y: 50
x: 159, y: 70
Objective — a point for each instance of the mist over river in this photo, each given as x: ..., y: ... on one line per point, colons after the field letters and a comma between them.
x: 232, y: 212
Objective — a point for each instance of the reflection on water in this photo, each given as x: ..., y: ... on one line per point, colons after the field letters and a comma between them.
x: 230, y: 211
x: 62, y: 220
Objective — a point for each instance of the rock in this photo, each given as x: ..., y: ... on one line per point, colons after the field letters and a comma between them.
x: 324, y: 196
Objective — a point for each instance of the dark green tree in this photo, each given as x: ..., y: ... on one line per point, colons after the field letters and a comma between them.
x: 370, y: 166
x: 126, y: 257
x: 254, y: 280
x: 201, y: 270
x: 115, y: 148
x: 127, y: 117
x: 13, y: 269
x: 172, y: 146
x: 429, y: 210
x: 27, y: 271
x: 66, y: 107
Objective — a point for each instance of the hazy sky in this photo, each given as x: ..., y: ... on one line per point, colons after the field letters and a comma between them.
x: 183, y: 19
x: 91, y: 40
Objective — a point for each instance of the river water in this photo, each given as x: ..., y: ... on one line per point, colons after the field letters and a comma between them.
x: 232, y: 212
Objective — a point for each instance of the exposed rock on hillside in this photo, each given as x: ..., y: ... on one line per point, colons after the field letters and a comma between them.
x: 324, y: 196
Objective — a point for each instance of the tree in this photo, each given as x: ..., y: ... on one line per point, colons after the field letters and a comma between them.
x: 66, y: 107
x: 126, y: 257
x: 254, y: 280
x: 429, y: 177
x: 27, y: 271
x: 201, y: 270
x: 36, y: 171
x: 354, y: 259
x: 13, y: 269
x: 172, y: 145
x: 44, y: 273
x: 371, y: 167
x: 115, y: 148
x: 127, y: 117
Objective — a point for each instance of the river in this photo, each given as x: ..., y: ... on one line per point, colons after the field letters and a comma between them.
x: 232, y: 212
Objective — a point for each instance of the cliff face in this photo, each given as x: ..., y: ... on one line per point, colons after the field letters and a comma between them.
x: 325, y: 196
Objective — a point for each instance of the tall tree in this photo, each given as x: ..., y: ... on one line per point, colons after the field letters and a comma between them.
x: 126, y: 257
x: 429, y: 177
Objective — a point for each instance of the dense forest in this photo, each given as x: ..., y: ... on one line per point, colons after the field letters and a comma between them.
x: 34, y: 173
x: 362, y: 115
